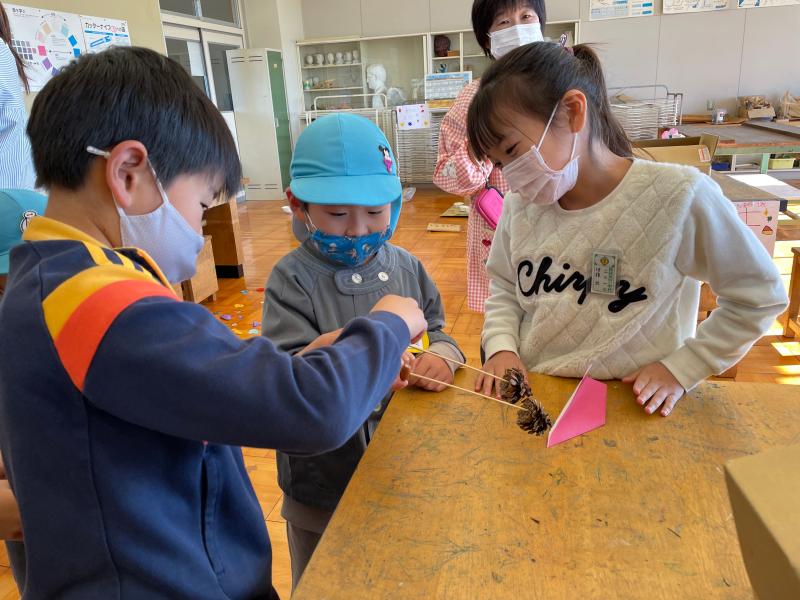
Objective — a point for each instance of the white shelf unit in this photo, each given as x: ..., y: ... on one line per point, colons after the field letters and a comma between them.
x: 471, y: 56
x: 333, y: 66
x: 404, y: 58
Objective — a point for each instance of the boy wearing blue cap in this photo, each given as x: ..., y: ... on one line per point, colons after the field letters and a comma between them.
x: 122, y: 409
x: 346, y: 198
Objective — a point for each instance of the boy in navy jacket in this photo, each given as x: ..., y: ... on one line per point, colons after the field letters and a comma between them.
x: 121, y: 408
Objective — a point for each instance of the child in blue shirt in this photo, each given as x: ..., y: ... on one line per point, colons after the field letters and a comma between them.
x: 346, y: 198
x: 127, y: 403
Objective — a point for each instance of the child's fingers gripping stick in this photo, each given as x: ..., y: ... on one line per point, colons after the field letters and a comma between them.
x: 408, y: 310
x: 406, y: 368
x: 497, y: 365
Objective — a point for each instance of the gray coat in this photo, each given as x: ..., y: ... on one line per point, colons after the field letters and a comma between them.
x: 306, y: 296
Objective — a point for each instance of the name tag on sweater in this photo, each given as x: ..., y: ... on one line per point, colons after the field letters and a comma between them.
x: 605, y: 272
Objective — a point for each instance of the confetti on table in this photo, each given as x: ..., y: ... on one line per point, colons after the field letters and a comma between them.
x: 237, y: 331
x: 253, y: 332
x: 245, y: 292
x: 259, y: 289
x: 238, y: 306
x: 256, y: 323
x: 226, y: 317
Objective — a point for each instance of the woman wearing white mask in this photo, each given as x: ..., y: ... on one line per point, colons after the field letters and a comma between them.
x: 499, y: 26
x: 598, y: 257
x: 16, y: 165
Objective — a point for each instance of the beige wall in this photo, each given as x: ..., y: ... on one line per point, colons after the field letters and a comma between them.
x: 143, y: 16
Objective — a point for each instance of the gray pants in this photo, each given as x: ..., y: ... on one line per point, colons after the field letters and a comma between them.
x: 302, y: 544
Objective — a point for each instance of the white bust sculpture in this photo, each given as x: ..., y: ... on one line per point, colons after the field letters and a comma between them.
x: 376, y: 81
x: 339, y: 58
x: 329, y: 58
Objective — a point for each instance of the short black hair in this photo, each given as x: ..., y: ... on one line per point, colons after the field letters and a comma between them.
x: 129, y: 94
x: 484, y: 13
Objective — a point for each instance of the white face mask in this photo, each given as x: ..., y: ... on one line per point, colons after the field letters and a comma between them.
x: 511, y: 38
x: 164, y: 234
x: 531, y: 177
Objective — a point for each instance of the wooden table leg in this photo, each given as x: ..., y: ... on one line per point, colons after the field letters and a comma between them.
x: 222, y: 224
x: 789, y: 318
x: 765, y: 163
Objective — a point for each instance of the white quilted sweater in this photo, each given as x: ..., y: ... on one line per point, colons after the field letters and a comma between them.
x: 673, y: 228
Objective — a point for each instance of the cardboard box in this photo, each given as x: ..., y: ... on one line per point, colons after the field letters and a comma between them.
x: 757, y: 113
x: 692, y: 151
x: 765, y: 495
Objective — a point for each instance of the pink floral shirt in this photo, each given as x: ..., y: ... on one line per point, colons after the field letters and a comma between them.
x: 458, y: 173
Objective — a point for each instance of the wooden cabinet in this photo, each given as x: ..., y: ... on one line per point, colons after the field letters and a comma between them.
x: 563, y: 10
x: 395, y: 18
x: 451, y: 15
x: 328, y: 19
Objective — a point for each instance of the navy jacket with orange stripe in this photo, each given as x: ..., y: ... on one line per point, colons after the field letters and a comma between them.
x: 109, y: 387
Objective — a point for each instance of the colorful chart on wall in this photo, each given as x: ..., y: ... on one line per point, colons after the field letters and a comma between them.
x: 685, y: 6
x: 48, y: 40
x: 620, y: 9
x: 101, y: 34
x: 413, y: 116
x: 764, y: 3
x: 45, y: 40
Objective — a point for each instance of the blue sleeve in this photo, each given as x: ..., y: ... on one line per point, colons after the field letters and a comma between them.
x: 172, y: 367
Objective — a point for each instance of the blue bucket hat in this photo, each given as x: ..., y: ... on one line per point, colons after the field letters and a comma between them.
x: 346, y: 159
x: 17, y: 208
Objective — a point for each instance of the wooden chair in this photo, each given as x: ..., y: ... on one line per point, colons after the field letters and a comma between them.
x: 791, y: 319
x: 204, y: 284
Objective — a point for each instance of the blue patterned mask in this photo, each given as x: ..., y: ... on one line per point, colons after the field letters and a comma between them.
x: 345, y: 250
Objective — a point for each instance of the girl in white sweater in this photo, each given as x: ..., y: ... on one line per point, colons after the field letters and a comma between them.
x: 598, y: 257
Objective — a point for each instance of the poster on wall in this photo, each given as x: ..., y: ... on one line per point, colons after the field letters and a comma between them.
x: 764, y: 3
x: 101, y: 34
x: 688, y: 6
x: 620, y: 9
x: 762, y: 218
x: 413, y: 116
x: 46, y: 41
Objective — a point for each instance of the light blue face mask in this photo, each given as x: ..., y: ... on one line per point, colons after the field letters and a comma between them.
x: 345, y: 250
x: 164, y: 234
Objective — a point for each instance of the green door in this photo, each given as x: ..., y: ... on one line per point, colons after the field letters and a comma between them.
x: 281, y: 112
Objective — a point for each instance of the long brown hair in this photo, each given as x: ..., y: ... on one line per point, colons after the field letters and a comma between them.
x: 532, y: 80
x: 5, y: 35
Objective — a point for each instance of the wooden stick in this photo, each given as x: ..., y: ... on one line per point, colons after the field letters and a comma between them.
x: 455, y: 387
x: 452, y: 360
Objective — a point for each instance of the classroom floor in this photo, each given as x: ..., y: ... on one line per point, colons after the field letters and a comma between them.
x: 267, y: 237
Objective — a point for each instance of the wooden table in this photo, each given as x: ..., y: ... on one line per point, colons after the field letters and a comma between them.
x: 742, y: 139
x: 453, y: 501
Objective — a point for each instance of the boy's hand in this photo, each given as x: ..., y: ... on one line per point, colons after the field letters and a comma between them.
x: 497, y: 365
x: 408, y: 310
x: 326, y: 339
x: 406, y: 367
x: 656, y: 384
x: 10, y: 521
x: 433, y: 367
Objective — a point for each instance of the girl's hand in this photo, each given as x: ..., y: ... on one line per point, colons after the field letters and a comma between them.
x: 406, y: 367
x: 497, y: 365
x: 655, y: 385
x: 433, y: 367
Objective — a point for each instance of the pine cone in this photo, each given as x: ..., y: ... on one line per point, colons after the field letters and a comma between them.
x: 532, y: 417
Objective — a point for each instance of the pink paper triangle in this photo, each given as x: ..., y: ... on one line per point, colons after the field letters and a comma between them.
x: 585, y: 411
